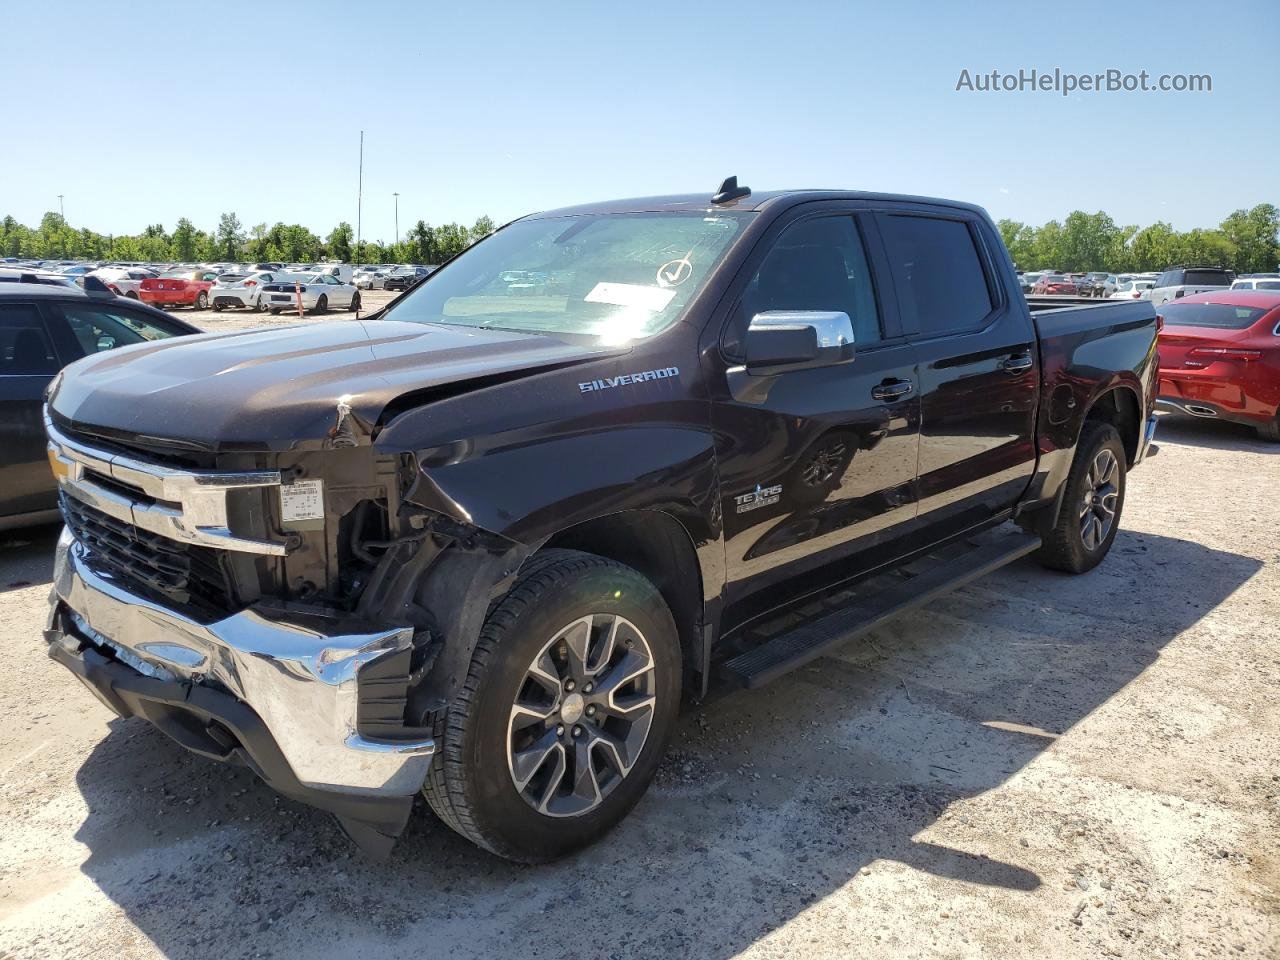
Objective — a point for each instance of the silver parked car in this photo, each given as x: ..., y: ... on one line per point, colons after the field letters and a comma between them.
x: 319, y: 292
x: 1178, y: 282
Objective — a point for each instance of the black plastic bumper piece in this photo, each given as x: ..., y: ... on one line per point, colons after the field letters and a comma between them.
x: 218, y: 726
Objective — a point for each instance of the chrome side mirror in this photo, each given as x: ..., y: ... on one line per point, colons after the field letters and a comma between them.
x: 782, y: 340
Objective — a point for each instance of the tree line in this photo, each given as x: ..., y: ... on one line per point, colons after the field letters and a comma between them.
x: 283, y: 242
x: 1245, y: 242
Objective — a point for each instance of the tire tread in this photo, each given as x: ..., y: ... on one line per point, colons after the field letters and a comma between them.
x: 445, y: 786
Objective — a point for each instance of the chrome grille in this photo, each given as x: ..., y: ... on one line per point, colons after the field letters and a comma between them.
x: 182, y: 573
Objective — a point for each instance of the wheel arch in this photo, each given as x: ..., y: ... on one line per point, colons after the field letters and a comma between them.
x: 1120, y: 407
x: 660, y: 548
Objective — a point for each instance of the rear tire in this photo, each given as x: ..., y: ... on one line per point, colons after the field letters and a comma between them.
x: 1271, y: 431
x: 202, y: 301
x: 1092, y: 501
x: 322, y: 305
x: 521, y: 715
x: 131, y: 295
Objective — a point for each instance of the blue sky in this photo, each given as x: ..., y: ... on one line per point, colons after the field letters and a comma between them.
x: 141, y: 113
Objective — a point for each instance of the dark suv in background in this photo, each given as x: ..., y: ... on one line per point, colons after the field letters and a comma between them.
x: 43, y: 327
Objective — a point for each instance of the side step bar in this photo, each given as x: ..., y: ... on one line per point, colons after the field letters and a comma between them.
x: 872, y: 608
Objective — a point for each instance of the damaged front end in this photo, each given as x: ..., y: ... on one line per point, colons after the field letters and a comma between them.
x: 293, y: 611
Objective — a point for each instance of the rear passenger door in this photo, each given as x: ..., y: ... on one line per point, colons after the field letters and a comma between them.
x: 28, y: 361
x: 978, y: 364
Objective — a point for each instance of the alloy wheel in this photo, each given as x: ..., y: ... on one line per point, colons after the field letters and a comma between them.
x: 581, y: 715
x: 1098, y: 504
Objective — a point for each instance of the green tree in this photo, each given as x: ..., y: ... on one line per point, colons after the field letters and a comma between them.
x: 182, y: 246
x: 481, y: 229
x: 1253, y: 234
x: 338, y: 243
x: 1154, y: 247
x: 230, y: 237
x: 451, y: 240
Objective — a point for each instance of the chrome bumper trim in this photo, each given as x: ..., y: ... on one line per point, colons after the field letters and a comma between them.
x: 191, y: 505
x: 298, y: 677
x: 1148, y: 434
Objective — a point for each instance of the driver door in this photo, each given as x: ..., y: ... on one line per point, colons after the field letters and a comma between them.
x: 816, y: 465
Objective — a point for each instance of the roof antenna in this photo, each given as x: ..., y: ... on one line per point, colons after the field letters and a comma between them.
x: 730, y: 191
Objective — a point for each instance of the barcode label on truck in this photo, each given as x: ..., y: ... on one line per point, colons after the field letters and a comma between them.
x: 303, y: 500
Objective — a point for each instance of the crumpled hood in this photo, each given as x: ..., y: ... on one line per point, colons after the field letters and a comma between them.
x: 281, y: 388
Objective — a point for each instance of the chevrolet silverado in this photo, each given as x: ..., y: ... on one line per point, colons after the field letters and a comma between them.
x: 482, y: 543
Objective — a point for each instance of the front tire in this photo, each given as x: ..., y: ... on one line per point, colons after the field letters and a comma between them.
x: 565, y: 713
x: 355, y: 301
x: 1089, y: 517
x: 1270, y: 431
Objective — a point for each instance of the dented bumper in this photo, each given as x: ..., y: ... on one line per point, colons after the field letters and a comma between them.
x: 298, y: 676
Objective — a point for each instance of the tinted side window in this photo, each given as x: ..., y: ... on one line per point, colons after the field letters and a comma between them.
x: 25, y: 348
x: 97, y: 329
x: 941, y: 281
x: 817, y: 264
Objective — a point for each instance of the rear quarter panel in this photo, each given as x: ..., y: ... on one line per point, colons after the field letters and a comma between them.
x: 1085, y: 353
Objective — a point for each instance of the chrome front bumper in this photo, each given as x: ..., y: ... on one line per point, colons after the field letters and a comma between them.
x: 298, y: 676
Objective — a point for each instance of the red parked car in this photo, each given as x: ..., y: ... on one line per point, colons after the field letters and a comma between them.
x: 178, y: 288
x: 1220, y: 357
x: 1058, y: 284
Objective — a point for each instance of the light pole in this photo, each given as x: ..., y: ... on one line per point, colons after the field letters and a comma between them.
x: 397, y: 196
x: 62, y: 213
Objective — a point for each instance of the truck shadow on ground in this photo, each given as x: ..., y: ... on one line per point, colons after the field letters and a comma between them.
x: 770, y: 802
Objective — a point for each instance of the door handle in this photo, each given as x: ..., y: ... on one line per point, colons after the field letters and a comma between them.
x: 1018, y: 363
x: 892, y: 389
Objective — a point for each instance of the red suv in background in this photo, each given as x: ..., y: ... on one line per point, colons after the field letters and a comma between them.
x: 1220, y: 357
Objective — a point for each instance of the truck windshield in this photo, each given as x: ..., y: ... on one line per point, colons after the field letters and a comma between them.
x: 617, y: 277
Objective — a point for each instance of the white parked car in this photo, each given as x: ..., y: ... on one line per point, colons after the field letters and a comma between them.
x: 123, y: 281
x: 369, y: 279
x: 1257, y: 283
x: 1179, y: 282
x: 320, y: 292
x: 240, y: 289
x: 1132, y: 290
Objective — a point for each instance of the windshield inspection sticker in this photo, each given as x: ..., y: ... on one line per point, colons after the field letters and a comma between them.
x: 675, y: 272
x: 591, y: 386
x: 757, y: 498
x: 303, y: 500
x: 630, y: 295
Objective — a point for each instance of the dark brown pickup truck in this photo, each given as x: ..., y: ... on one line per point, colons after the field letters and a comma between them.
x: 480, y: 544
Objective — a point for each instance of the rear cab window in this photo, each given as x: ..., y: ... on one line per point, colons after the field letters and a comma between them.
x: 944, y: 285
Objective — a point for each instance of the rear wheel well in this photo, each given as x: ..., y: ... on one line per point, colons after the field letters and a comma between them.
x: 658, y: 547
x: 1119, y: 407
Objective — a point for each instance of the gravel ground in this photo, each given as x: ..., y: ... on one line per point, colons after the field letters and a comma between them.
x: 1036, y: 766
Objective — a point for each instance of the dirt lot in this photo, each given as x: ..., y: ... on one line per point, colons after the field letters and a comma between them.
x: 1037, y: 766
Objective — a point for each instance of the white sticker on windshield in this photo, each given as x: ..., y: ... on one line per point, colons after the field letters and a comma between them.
x: 630, y: 295
x: 302, y: 500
